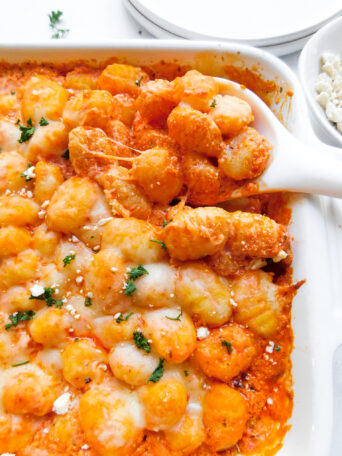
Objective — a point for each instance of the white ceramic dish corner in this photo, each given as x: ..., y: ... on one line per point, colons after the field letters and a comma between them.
x: 316, y: 320
x: 328, y: 39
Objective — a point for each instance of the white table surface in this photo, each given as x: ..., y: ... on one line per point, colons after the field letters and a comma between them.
x: 105, y: 20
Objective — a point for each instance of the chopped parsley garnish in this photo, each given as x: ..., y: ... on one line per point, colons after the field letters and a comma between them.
x: 26, y: 132
x: 176, y: 318
x: 17, y: 317
x: 43, y: 122
x: 228, y: 345
x: 158, y: 372
x: 46, y: 296
x: 213, y: 103
x: 166, y: 222
x: 141, y: 342
x: 130, y: 288
x: 55, y: 17
x: 134, y: 274
x: 28, y: 174
x: 137, y: 272
x: 68, y: 259
x: 21, y: 364
x: 277, y: 348
x: 66, y: 155
x: 138, y: 82
x: 186, y: 373
x: 59, y: 303
x: 122, y: 317
x: 12, y: 92
x: 159, y: 242
x: 87, y: 302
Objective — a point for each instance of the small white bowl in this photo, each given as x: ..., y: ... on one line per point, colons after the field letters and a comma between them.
x: 328, y: 39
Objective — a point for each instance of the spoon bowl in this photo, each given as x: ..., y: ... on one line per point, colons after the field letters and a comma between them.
x: 293, y: 166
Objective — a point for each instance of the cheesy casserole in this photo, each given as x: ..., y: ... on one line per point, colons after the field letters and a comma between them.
x: 139, y: 313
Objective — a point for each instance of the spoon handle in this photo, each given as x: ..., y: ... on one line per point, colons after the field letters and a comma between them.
x: 303, y: 169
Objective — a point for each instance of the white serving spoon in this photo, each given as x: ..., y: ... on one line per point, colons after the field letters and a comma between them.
x: 293, y: 167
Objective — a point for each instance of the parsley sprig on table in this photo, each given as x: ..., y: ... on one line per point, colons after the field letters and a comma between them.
x: 141, y: 341
x: 26, y: 132
x: 17, y: 317
x: 158, y: 372
x: 55, y: 19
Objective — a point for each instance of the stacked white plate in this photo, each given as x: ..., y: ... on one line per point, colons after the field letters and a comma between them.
x: 279, y: 26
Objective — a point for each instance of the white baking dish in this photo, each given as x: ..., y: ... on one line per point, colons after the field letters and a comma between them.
x: 317, y: 319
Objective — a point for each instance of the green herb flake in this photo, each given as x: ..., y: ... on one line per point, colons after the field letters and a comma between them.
x: 122, y: 317
x: 66, y: 155
x: 277, y: 348
x: 26, y: 132
x: 46, y: 296
x: 68, y: 259
x: 17, y: 122
x: 213, y: 103
x: 87, y: 302
x: 130, y: 288
x: 43, y: 122
x: 166, y: 222
x: 12, y: 92
x: 21, y: 364
x: 17, y: 317
x: 158, y: 372
x: 141, y: 342
x: 176, y: 318
x: 55, y: 18
x: 138, y: 82
x: 186, y: 373
x: 161, y: 243
x: 137, y: 272
x: 228, y: 345
x: 59, y: 303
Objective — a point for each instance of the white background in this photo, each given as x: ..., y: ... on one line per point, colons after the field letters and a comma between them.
x: 106, y: 20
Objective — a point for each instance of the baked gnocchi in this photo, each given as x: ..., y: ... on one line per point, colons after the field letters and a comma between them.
x: 137, y: 316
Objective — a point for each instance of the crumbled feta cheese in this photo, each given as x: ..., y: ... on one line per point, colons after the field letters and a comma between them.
x: 104, y: 221
x: 113, y: 269
x: 7, y: 454
x: 29, y: 172
x: 7, y: 192
x: 90, y: 294
x: 79, y: 279
x: 61, y: 404
x: 45, y: 430
x: 117, y: 315
x: 41, y: 213
x: 233, y: 303
x: 85, y: 447
x: 72, y: 252
x: 45, y: 203
x: 36, y: 290
x: 269, y: 401
x: 29, y: 194
x: 329, y: 88
x: 281, y: 256
x: 74, y: 238
x: 202, y: 332
x: 97, y: 247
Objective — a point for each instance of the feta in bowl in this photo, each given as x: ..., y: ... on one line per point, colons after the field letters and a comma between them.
x: 320, y: 70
